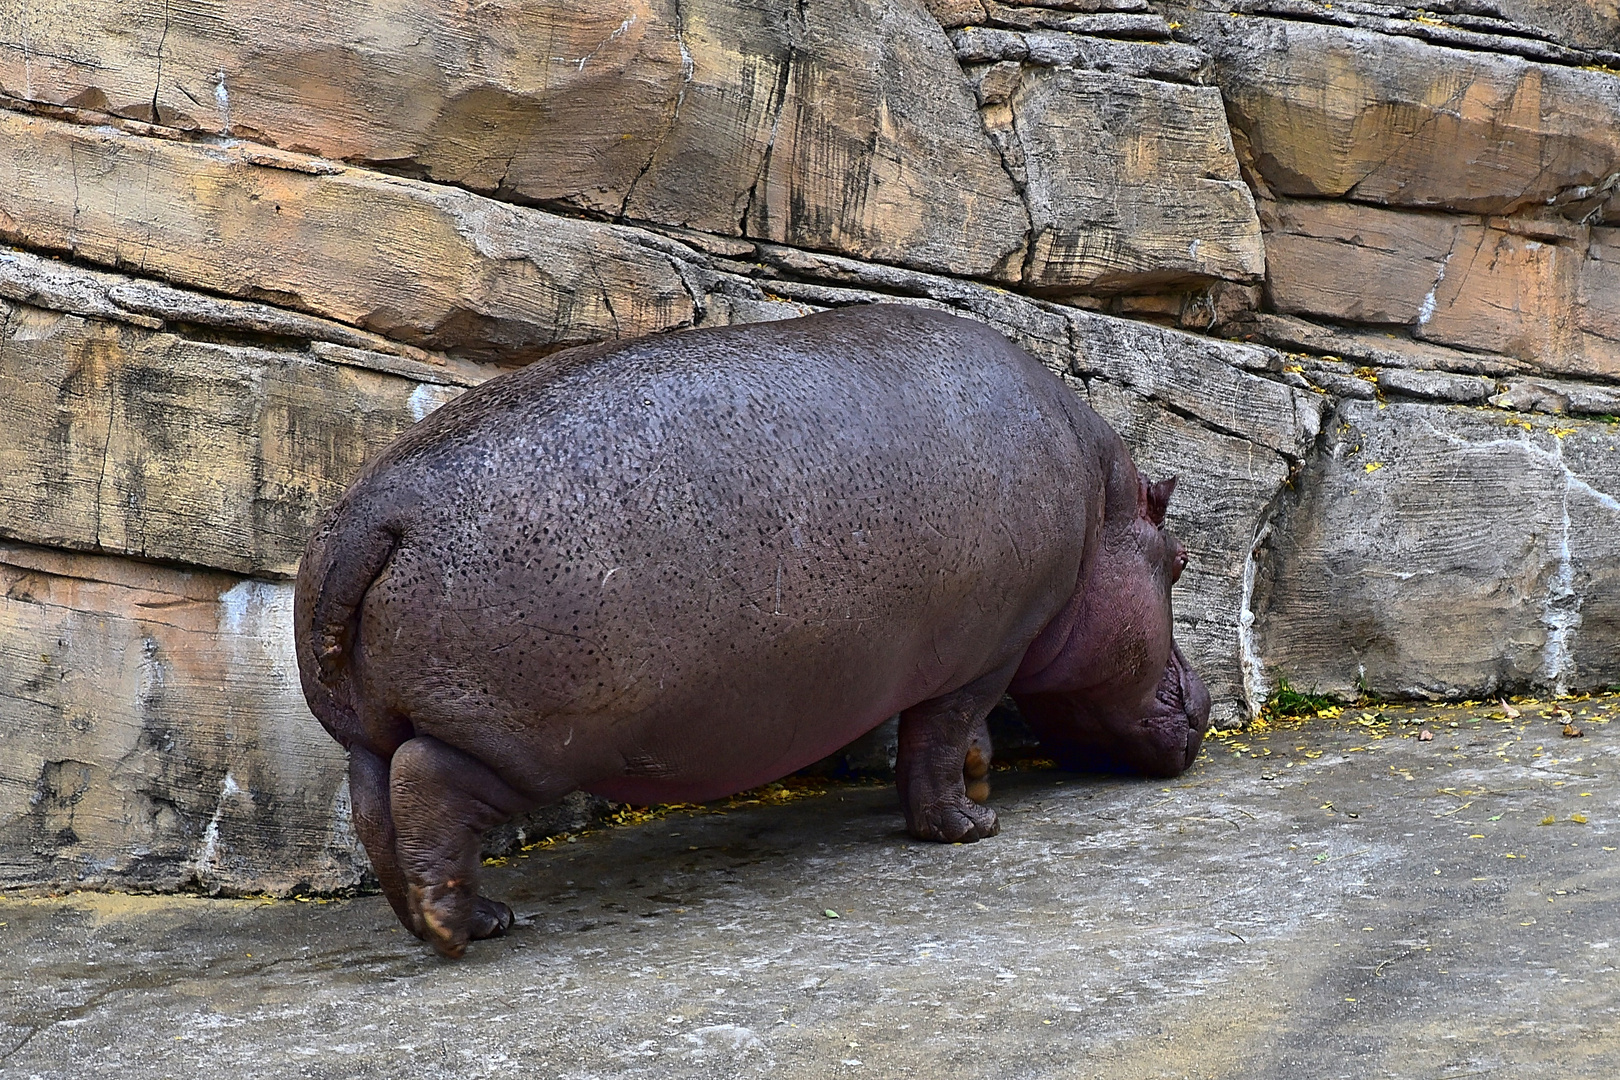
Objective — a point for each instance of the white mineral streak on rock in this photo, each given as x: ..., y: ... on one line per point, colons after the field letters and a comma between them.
x: 1255, y: 687
x: 1561, y: 607
x: 1561, y: 611
x: 1426, y: 309
x: 222, y: 98
x: 256, y: 620
x: 425, y: 398
x: 152, y: 673
x: 620, y: 32
x: 207, y: 861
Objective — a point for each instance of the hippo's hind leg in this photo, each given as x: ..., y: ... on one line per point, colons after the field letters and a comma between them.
x: 944, y: 759
x: 442, y: 800
x: 374, y: 822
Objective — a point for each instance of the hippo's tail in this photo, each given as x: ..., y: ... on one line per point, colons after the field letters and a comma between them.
x: 347, y: 553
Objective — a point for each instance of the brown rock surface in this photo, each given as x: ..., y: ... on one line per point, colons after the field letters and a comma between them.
x: 840, y: 127
x: 831, y: 125
x: 1131, y: 183
x: 1123, y: 156
x: 559, y: 101
x: 425, y: 264
x: 836, y: 127
x: 1546, y: 292
x: 1511, y: 294
x: 120, y: 439
x: 1338, y: 111
x: 156, y: 735
x: 1352, y: 262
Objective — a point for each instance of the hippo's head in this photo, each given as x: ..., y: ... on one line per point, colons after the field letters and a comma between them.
x: 1104, y: 685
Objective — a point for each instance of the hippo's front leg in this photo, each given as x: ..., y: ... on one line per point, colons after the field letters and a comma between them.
x: 442, y: 801
x: 943, y: 759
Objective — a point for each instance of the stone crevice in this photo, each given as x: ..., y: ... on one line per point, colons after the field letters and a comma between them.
x: 775, y: 104
x: 674, y: 118
x: 157, y: 81
x: 1436, y: 27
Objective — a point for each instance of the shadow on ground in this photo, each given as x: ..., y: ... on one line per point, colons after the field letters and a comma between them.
x: 1338, y: 897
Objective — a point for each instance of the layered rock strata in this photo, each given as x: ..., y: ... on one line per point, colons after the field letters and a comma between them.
x: 245, y: 249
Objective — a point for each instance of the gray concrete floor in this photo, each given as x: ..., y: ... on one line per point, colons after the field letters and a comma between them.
x: 1336, y: 898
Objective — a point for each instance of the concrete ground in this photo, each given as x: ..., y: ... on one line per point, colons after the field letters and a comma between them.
x: 1338, y: 897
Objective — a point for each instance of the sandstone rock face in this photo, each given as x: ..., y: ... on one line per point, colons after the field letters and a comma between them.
x: 1332, y: 111
x: 1545, y: 292
x: 120, y: 439
x: 1121, y: 151
x: 246, y: 246
x: 841, y: 126
x: 422, y: 263
x: 155, y: 733
x: 1437, y: 192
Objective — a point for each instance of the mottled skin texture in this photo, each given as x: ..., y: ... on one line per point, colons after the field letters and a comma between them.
x: 679, y: 567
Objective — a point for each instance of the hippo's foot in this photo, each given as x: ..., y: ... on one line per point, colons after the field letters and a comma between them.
x: 957, y: 821
x: 943, y: 763
x: 442, y: 800
x: 491, y: 918
x: 448, y: 916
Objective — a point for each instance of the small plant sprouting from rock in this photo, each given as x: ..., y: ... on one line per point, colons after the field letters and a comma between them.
x: 1289, y: 701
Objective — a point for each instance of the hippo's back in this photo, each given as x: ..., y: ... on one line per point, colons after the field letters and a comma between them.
x: 652, y: 562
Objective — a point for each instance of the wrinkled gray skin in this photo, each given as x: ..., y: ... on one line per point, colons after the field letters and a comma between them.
x: 675, y: 568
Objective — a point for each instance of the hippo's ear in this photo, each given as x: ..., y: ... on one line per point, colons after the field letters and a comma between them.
x: 1158, y: 498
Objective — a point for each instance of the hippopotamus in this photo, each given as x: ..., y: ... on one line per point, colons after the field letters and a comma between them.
x: 674, y: 568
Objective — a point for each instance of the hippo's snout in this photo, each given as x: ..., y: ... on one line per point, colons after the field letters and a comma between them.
x: 1173, y: 730
x: 1088, y: 732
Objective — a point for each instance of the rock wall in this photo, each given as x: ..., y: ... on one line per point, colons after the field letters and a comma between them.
x: 1351, y: 270
x: 1440, y: 193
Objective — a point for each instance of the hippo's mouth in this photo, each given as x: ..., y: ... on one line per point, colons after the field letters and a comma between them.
x: 1182, y: 693
x: 1180, y: 716
x: 1162, y: 739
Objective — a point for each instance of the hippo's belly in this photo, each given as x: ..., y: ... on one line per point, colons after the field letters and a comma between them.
x: 646, y: 696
